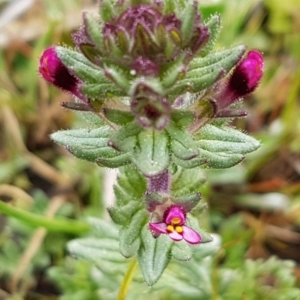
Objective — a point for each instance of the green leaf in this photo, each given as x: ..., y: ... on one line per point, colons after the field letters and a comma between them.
x: 94, y: 30
x: 182, y: 117
x: 81, y: 66
x: 100, y: 90
x: 93, y: 119
x: 203, y: 72
x: 224, y: 147
x: 87, y: 144
x: 214, y: 27
x: 188, y: 21
x: 188, y: 202
x: 120, y: 160
x: 118, y: 76
x: 153, y: 84
x: 224, y: 59
x: 129, y: 209
x: 96, y: 249
x: 225, y: 139
x: 122, y: 215
x: 181, y: 251
x: 106, y: 10
x: 190, y: 164
x: 186, y: 182
x: 119, y: 117
x: 130, y: 235
x: 182, y: 144
x: 220, y: 160
x: 125, y: 139
x: 171, y: 72
x: 137, y: 181
x: 101, y: 228
x: 154, y: 255
x: 192, y: 279
x: 151, y: 156
x: 130, y: 186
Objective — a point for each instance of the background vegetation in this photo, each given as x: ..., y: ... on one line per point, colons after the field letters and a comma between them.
x: 254, y: 208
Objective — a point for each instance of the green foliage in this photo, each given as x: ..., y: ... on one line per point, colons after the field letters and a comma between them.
x: 214, y: 25
x: 223, y: 147
x: 88, y: 144
x: 270, y: 280
x: 153, y: 255
x: 75, y: 280
x: 204, y: 71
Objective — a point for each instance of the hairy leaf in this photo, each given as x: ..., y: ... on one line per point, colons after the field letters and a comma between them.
x: 203, y: 72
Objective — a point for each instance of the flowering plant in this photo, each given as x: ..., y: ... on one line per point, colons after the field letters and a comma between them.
x: 159, y: 102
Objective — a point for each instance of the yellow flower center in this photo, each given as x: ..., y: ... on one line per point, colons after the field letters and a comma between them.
x: 170, y: 228
x: 179, y: 229
x: 175, y: 225
x: 175, y: 221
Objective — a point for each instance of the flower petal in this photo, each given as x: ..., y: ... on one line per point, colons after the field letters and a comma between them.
x: 55, y: 72
x: 160, y: 227
x: 190, y: 235
x: 174, y: 235
x: 175, y: 212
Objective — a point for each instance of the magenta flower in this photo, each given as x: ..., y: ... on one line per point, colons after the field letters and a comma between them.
x: 55, y: 72
x: 174, y: 226
x: 247, y: 74
x: 244, y: 79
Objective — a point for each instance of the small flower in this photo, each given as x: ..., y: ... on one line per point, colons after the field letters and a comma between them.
x: 55, y: 72
x: 247, y: 74
x: 244, y: 80
x: 174, y: 226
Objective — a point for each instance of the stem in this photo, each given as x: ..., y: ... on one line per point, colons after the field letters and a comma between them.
x: 104, y: 119
x: 127, y: 280
x: 54, y: 225
x: 160, y: 183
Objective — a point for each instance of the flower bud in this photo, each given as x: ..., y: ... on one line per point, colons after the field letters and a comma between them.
x: 247, y: 74
x: 54, y: 71
x: 244, y: 79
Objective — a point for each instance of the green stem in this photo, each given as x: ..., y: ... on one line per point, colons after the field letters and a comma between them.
x: 51, y: 224
x: 127, y: 280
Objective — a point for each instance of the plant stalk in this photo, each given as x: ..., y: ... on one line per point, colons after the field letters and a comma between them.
x: 127, y: 280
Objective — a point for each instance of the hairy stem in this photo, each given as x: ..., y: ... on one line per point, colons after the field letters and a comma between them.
x: 127, y: 280
x: 160, y: 183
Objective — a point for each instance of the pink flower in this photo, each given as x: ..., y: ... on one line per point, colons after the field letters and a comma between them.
x: 174, y: 226
x: 55, y: 72
x: 244, y: 79
x: 247, y: 74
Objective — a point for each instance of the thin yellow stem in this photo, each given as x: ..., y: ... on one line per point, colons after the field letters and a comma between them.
x: 127, y: 280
